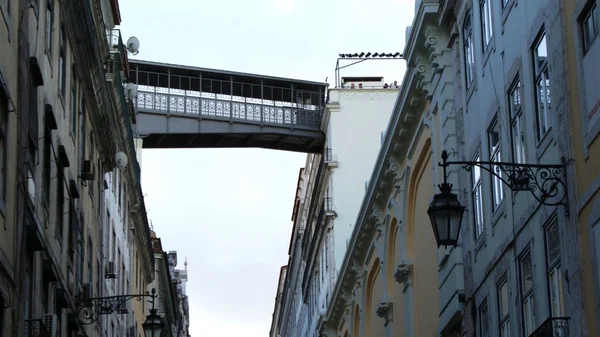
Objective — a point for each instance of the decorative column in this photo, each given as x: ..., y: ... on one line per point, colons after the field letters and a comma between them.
x: 404, y: 276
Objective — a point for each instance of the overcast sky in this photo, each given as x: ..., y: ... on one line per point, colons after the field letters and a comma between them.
x: 229, y: 210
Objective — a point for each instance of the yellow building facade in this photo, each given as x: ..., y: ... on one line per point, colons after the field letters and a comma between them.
x: 582, y: 52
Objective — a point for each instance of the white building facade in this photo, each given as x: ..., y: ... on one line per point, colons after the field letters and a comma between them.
x: 331, y: 187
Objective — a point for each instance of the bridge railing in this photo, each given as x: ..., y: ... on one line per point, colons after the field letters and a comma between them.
x: 173, y: 101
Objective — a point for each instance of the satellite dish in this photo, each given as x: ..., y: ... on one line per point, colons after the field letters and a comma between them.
x: 131, y: 89
x: 121, y: 159
x: 133, y: 45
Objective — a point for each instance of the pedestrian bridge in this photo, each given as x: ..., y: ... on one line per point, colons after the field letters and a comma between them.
x: 188, y: 107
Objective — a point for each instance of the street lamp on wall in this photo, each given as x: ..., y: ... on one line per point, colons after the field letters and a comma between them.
x: 90, y: 309
x: 547, y: 184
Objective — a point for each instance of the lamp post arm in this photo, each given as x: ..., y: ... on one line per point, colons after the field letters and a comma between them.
x: 546, y: 182
x: 90, y: 309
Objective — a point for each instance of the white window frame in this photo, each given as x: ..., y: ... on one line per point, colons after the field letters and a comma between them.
x: 495, y: 151
x: 541, y: 84
x: 487, y: 24
x: 589, y: 27
x: 477, y: 195
x: 484, y: 319
x: 504, y: 312
x: 517, y: 122
x: 555, y: 278
x: 527, y: 295
x: 469, y: 49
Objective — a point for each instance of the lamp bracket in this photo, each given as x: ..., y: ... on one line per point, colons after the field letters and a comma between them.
x: 546, y: 182
x: 90, y: 309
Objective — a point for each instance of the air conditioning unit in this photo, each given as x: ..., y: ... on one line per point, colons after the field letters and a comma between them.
x: 51, y: 323
x: 87, y: 171
x: 111, y: 271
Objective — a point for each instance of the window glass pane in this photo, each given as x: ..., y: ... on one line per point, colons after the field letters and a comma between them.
x: 515, y: 97
x: 484, y: 320
x: 553, y: 243
x: 494, y: 138
x: 503, y: 299
x: 518, y: 135
x: 526, y: 273
x: 541, y: 53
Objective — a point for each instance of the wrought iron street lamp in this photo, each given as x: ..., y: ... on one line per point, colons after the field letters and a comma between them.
x: 90, y: 309
x: 547, y: 184
x: 153, y: 325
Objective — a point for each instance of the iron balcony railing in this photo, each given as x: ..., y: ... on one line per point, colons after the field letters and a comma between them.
x: 553, y: 327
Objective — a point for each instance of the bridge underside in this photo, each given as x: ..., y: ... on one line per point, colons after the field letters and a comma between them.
x: 185, y: 131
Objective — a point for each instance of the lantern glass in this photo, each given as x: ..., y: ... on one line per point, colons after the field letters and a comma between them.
x: 446, y: 213
x: 153, y: 325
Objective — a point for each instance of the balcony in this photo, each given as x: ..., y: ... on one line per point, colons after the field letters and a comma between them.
x: 330, y: 158
x: 553, y: 327
x: 329, y: 207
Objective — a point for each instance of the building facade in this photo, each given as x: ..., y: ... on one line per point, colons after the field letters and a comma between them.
x: 64, y: 132
x: 330, y: 188
x: 511, y: 105
x: 580, y: 142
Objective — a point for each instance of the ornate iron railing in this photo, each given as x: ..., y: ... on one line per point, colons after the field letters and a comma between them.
x: 227, y: 107
x: 553, y: 327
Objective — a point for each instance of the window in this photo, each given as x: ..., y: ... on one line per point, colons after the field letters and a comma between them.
x: 5, y: 8
x: 49, y: 24
x: 527, y: 299
x: 469, y: 50
x: 484, y: 320
x: 503, y: 309
x: 589, y: 26
x: 3, y: 149
x: 62, y: 63
x: 73, y: 102
x: 555, y: 280
x: 485, y: 9
x: 495, y: 156
x: 517, y: 122
x: 60, y: 202
x: 90, y: 258
x: 477, y: 201
x: 47, y: 178
x: 542, y: 85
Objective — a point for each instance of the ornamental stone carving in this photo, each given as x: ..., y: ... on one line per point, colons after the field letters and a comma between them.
x: 404, y: 274
x: 385, y: 310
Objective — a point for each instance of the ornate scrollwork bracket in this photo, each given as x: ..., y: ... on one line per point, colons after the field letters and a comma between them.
x: 385, y: 310
x: 90, y: 309
x: 547, y: 183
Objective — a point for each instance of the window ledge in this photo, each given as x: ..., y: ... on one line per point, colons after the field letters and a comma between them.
x: 479, y: 243
x: 489, y: 49
x: 506, y: 12
x: 3, y: 212
x: 544, y: 143
x: 499, y: 211
x: 471, y: 89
